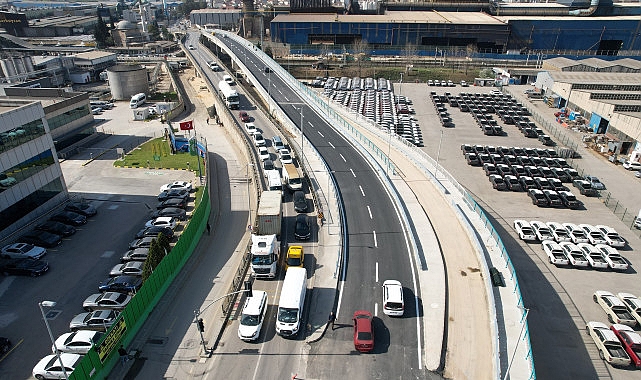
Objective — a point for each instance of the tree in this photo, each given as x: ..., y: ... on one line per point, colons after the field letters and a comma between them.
x: 163, y: 242
x: 154, y: 258
x: 361, y: 49
x: 154, y: 31
x: 101, y: 33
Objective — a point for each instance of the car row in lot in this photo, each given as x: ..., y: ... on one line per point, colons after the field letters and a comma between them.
x: 115, y: 292
x: 377, y: 103
x: 619, y: 345
x: 568, y: 232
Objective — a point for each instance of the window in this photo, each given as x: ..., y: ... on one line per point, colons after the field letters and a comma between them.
x: 18, y: 136
x: 31, y: 202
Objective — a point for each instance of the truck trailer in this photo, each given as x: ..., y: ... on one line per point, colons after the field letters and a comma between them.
x: 269, y: 213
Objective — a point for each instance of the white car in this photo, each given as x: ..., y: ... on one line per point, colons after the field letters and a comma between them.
x: 107, y: 300
x: 176, y: 185
x: 612, y: 257
x: 632, y: 303
x: 285, y: 156
x: 576, y: 234
x: 574, y: 254
x: 632, y: 165
x: 22, y: 251
x: 259, y: 140
x: 250, y: 128
x: 191, y: 47
x: 609, y: 346
x: 263, y: 153
x: 77, y: 342
x: 616, y: 310
x: 594, y: 256
x: 541, y: 230
x: 49, y: 366
x: 163, y: 221
x: 100, y: 320
x: 524, y: 229
x: 559, y: 232
x: 594, y: 236
x: 555, y: 252
x: 611, y: 236
x: 132, y: 268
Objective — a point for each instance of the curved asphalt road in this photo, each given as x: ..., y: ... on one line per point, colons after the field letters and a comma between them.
x: 377, y: 251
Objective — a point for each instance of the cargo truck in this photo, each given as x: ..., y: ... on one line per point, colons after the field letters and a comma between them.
x: 264, y: 259
x: 269, y: 213
x: 291, y: 177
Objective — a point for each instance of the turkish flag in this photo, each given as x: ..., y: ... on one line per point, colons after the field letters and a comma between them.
x: 186, y: 125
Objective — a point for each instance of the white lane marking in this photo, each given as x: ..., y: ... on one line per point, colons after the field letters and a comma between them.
x: 376, y: 309
x: 344, y: 160
x: 370, y: 212
x: 354, y: 174
x: 376, y: 271
x: 332, y: 145
x: 283, y: 96
x: 375, y: 241
x: 321, y: 135
x: 362, y: 192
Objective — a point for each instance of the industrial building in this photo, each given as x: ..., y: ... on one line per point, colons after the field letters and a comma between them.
x: 611, y: 101
x: 31, y: 181
x: 127, y: 80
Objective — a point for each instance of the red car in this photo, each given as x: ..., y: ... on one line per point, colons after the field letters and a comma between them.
x: 363, y: 331
x: 631, y: 341
x: 244, y: 117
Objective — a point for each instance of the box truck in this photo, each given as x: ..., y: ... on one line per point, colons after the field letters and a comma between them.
x: 291, y: 177
x: 269, y: 213
x: 264, y: 255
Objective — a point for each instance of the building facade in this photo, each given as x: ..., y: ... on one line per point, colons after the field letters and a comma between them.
x: 31, y: 181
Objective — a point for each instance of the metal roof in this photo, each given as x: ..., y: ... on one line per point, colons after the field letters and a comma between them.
x: 415, y: 17
x: 589, y: 77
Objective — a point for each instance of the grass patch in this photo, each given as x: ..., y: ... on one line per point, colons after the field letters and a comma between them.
x: 156, y: 154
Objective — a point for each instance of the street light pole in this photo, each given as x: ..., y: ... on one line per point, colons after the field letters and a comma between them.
x: 249, y: 198
x: 302, y: 137
x: 55, y: 348
x: 438, y: 155
x: 524, y: 320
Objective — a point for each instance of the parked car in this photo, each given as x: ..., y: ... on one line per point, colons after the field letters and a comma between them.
x: 527, y: 183
x: 574, y: 255
x: 176, y: 185
x: 559, y: 232
x: 57, y: 228
x: 561, y: 175
x: 163, y: 221
x: 174, y: 212
x: 142, y: 243
x: 153, y: 231
x: 611, y: 236
x: 553, y: 198
x: 77, y: 342
x: 608, y: 344
x: 131, y: 268
x: 593, y: 255
x: 616, y: 310
x: 172, y: 203
x: 138, y: 254
x: 69, y: 217
x: 302, y: 229
x: 489, y: 169
x: 363, y: 331
x: 512, y: 183
x: 569, y: 200
x: 22, y: 251
x: 631, y: 342
x: 121, y: 284
x: 632, y: 303
x: 41, y: 238
x: 99, y: 320
x: 557, y: 185
x: 541, y: 230
x: 555, y: 253
x: 497, y: 182
x: 107, y: 300
x: 632, y: 165
x: 23, y: 267
x: 175, y: 193
x: 542, y: 183
x: 524, y: 230
x: 81, y: 208
x: 594, y: 235
x: 595, y: 182
x: 576, y: 234
x: 613, y: 258
x: 472, y: 159
x: 538, y: 198
x: 49, y: 366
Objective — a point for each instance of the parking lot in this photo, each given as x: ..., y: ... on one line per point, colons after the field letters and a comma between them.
x: 125, y: 199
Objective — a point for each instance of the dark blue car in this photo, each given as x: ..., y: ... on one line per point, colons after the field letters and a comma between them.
x: 121, y: 284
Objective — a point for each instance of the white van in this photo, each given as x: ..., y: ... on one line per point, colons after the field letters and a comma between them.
x: 273, y: 180
x: 228, y: 79
x: 291, y: 303
x: 253, y: 315
x: 214, y: 66
x: 138, y: 100
x: 393, y: 304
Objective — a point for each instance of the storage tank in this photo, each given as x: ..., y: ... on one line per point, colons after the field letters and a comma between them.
x: 127, y: 80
